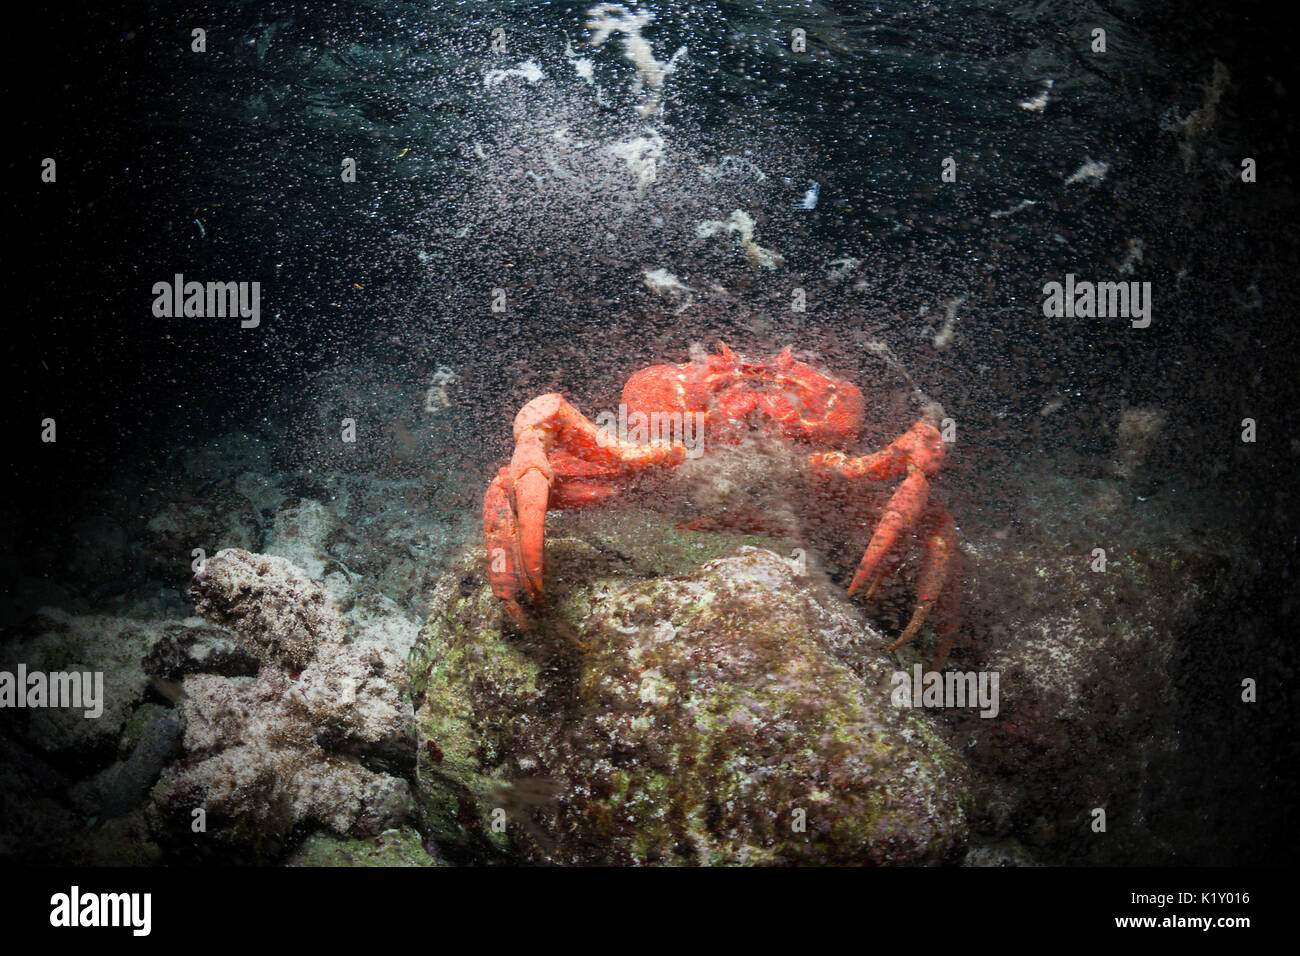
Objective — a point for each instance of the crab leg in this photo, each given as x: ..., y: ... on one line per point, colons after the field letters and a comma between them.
x: 933, y: 582
x: 915, y: 457
x: 919, y: 448
x: 553, y: 441
x: 902, y: 512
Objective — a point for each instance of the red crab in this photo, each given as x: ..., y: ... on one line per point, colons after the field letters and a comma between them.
x: 564, y: 460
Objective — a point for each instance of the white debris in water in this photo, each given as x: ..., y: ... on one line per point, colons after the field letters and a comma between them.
x: 1137, y: 433
x: 1039, y: 102
x: 1023, y: 204
x: 842, y: 267
x: 809, y: 200
x: 561, y: 135
x: 742, y: 225
x: 1132, y: 258
x: 609, y: 18
x: 733, y: 167
x: 639, y: 150
x: 944, y: 337
x: 662, y: 282
x: 436, y: 398
x: 1090, y: 172
x: 641, y: 155
x: 1202, y: 120
x: 582, y: 66
x: 527, y: 70
x: 711, y: 227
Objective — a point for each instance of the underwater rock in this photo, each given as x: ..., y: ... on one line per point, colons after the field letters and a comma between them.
x: 310, y: 740
x: 260, y: 491
x: 22, y: 771
x: 1095, y: 668
x: 1002, y: 853
x: 394, y: 547
x: 394, y: 435
x: 258, y: 770
x: 26, y: 595
x: 38, y: 829
x: 32, y: 822
x: 274, y: 608
x: 400, y: 847
x: 194, y: 647
x: 214, y: 495
x: 44, y: 806
x: 123, y: 786
x: 230, y: 454
x: 1136, y: 434
x: 178, y: 527
x: 378, y: 619
x: 91, y: 644
x: 736, y: 713
x: 122, y: 841
x: 301, y: 529
x: 356, y: 691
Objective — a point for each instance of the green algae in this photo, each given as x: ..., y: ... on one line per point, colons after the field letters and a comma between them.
x: 402, y: 847
x: 710, y: 715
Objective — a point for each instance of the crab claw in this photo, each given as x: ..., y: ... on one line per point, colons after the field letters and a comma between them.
x: 530, y: 480
x: 514, y: 522
x: 501, y: 533
x: 561, y: 460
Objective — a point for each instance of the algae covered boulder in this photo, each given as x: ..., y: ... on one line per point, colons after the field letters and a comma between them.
x: 395, y: 847
x: 735, y: 713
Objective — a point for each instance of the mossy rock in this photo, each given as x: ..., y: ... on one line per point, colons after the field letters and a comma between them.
x: 664, y: 711
x: 401, y: 847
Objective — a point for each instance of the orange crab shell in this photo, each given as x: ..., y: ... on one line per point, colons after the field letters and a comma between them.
x: 803, y: 403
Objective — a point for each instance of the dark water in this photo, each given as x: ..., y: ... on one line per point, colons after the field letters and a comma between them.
x: 247, y: 138
x: 226, y: 165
